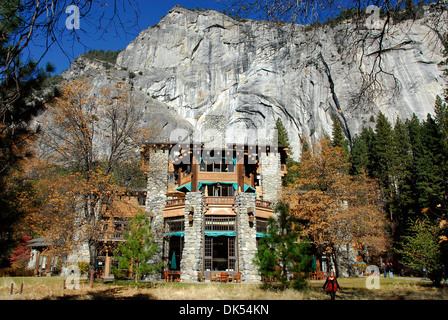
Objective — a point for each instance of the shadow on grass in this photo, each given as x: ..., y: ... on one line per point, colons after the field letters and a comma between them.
x: 105, y: 294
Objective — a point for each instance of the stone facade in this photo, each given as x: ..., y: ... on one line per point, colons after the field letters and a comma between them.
x: 244, y: 248
x: 191, y: 263
x: 271, y: 177
x: 156, y: 198
x: 246, y: 236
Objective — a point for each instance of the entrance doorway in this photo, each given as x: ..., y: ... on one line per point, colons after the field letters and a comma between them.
x: 175, y: 247
x: 219, y: 254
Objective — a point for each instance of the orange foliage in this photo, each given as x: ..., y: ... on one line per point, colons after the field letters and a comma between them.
x: 337, y: 209
x: 86, y: 137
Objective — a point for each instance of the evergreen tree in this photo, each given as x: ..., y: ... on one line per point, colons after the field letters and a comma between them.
x: 138, y: 248
x: 362, y: 152
x: 441, y: 117
x: 282, y: 133
x: 410, y: 9
x: 339, y: 139
x: 283, y: 250
x: 402, y: 201
x: 420, y: 248
x: 437, y: 157
x: 291, y: 165
x: 382, y: 158
x: 23, y: 93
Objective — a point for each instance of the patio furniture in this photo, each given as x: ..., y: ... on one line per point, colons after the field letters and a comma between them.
x: 224, y: 277
x: 168, y: 276
x: 320, y: 275
x: 214, y: 277
x: 237, y: 277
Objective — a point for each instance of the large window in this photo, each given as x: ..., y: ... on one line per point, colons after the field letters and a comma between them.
x: 217, y: 167
x: 174, y: 224
x: 219, y: 223
x: 220, y: 254
x: 217, y: 190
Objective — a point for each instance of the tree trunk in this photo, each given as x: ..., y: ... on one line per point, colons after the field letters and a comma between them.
x: 92, y: 256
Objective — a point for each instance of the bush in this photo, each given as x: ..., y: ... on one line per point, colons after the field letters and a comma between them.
x: 16, y: 272
x: 83, y: 267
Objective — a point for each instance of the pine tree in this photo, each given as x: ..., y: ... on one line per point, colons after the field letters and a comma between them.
x: 441, y: 116
x: 362, y: 152
x: 339, y: 139
x: 420, y: 248
x: 22, y: 95
x: 410, y: 9
x: 402, y: 201
x: 437, y: 157
x: 383, y: 154
x: 423, y: 174
x: 291, y: 165
x: 282, y: 133
x: 138, y: 248
x: 282, y: 250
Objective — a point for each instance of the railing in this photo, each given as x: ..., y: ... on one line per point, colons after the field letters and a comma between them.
x: 186, y: 179
x: 175, y: 202
x: 220, y: 223
x: 263, y: 203
x: 220, y: 200
x: 174, y: 224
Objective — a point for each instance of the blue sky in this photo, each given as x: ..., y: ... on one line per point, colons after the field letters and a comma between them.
x: 150, y: 13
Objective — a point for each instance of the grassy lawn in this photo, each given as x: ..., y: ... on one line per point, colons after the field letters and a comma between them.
x: 35, y: 288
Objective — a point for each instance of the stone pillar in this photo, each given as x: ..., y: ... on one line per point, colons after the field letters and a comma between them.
x: 247, y: 236
x: 271, y: 176
x: 192, y: 253
x: 156, y: 199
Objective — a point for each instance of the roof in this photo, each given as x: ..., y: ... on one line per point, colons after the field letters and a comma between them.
x: 38, y: 242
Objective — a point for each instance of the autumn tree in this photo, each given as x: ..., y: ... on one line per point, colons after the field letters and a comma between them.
x: 339, y: 211
x: 21, y: 255
x: 90, y: 137
x: 25, y: 86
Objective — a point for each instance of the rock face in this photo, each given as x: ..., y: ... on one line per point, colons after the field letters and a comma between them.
x: 198, y: 64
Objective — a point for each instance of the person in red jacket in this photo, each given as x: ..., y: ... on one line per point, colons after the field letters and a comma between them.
x: 331, y: 285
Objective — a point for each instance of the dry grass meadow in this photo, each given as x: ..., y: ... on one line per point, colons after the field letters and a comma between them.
x: 352, y: 289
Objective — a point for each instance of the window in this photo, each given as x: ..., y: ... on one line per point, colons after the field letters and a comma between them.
x: 174, y: 224
x: 217, y: 167
x: 141, y: 200
x: 220, y: 223
x: 219, y: 190
x: 262, y: 225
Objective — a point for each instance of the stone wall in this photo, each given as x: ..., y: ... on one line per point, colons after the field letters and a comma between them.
x: 271, y: 177
x: 191, y: 262
x: 247, y: 237
x: 156, y: 198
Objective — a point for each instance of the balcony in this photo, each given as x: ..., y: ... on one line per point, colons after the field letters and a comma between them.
x: 218, y: 205
x: 175, y: 202
x: 220, y: 200
x: 263, y: 203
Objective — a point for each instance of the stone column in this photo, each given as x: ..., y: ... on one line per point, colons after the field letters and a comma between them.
x: 192, y: 253
x: 246, y: 236
x: 156, y: 199
x: 271, y: 176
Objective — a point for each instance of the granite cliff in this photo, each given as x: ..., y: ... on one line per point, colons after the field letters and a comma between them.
x: 196, y: 66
